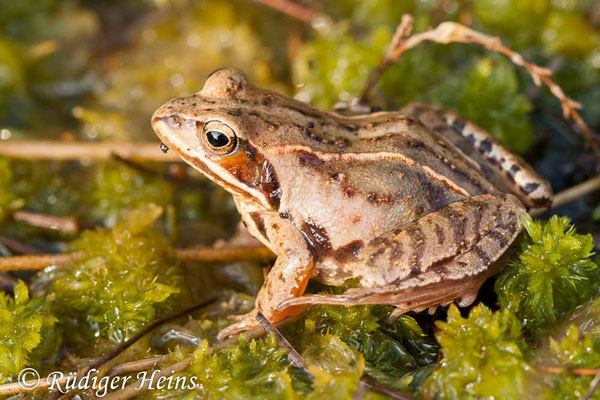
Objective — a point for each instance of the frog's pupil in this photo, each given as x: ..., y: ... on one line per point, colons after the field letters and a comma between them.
x: 217, y: 139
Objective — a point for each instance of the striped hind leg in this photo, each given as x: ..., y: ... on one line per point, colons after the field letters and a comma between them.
x: 441, y: 257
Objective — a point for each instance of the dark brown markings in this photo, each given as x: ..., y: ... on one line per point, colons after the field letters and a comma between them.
x: 415, y: 144
x: 451, y: 167
x: 418, y: 248
x: 530, y: 187
x: 335, y: 176
x: 254, y: 170
x: 250, y: 151
x: 482, y: 255
x: 284, y: 215
x: 372, y: 198
x: 349, y: 192
x: 303, y: 111
x: 435, y: 192
x: 234, y: 113
x: 512, y: 171
x: 470, y: 139
x: 439, y: 233
x: 259, y: 223
x: 458, y: 125
x: 348, y: 251
x: 310, y: 125
x: 457, y: 221
x: 499, y: 237
x: 374, y: 256
x: 485, y: 146
x: 318, y: 238
x: 310, y: 160
x: 478, y: 217
x: 270, y: 184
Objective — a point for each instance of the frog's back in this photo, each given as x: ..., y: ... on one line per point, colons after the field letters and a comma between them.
x: 361, y: 176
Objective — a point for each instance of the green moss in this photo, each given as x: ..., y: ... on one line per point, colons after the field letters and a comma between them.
x: 551, y: 274
x: 28, y: 332
x: 125, y: 279
x: 393, y: 352
x: 337, y: 368
x: 569, y: 34
x: 335, y: 67
x: 573, y: 351
x: 246, y: 369
x: 117, y: 189
x: 484, y: 356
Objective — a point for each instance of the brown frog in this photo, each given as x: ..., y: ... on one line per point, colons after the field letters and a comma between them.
x: 417, y: 207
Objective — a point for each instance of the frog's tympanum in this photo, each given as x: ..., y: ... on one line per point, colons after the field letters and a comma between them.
x: 417, y: 207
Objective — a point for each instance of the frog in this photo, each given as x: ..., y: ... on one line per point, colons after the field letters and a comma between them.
x: 416, y: 208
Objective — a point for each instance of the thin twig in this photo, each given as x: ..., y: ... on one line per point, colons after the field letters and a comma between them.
x: 453, y: 32
x: 38, y: 261
x: 141, y: 386
x: 55, y: 150
x: 293, y: 355
x: 576, y: 192
x: 128, y: 343
x: 15, y: 245
x: 292, y: 9
x: 202, y: 254
x: 67, y: 225
x: 559, y: 369
x: 225, y: 254
x: 593, y: 387
x: 402, y: 32
x: 96, y: 365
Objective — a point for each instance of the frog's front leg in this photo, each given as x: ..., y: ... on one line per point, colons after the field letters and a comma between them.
x: 288, y: 277
x: 441, y: 257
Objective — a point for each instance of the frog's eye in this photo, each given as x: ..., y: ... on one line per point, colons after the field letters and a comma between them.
x: 219, y: 137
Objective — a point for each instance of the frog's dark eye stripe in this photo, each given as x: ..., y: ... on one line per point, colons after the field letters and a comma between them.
x: 218, y: 137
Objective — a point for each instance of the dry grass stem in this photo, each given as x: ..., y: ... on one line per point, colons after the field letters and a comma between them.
x: 576, y: 192
x: 453, y: 32
x: 293, y: 355
x: 67, y: 225
x: 56, y: 150
x: 202, y: 254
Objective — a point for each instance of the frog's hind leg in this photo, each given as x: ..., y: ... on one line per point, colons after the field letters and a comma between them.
x: 441, y: 257
x: 505, y: 170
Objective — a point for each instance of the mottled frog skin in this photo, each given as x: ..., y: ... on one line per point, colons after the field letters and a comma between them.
x: 416, y: 206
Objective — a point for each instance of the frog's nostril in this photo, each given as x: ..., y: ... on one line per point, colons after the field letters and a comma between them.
x: 174, y: 121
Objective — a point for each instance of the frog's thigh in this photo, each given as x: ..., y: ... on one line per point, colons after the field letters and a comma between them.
x: 441, y: 257
x: 499, y: 165
x: 288, y: 277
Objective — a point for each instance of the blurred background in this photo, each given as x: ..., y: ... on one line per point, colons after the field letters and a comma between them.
x: 95, y: 70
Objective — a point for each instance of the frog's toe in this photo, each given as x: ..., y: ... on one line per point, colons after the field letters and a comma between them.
x: 467, y: 299
x: 243, y: 323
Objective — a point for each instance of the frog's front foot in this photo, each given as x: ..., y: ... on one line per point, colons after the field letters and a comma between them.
x: 244, y: 322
